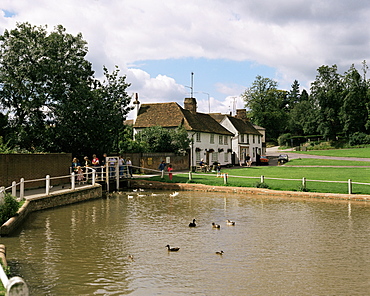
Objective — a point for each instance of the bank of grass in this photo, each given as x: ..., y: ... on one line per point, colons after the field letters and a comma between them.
x: 325, y: 162
x: 249, y: 177
x: 353, y: 152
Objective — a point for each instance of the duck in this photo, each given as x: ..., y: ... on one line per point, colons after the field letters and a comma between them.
x: 230, y: 223
x: 215, y: 225
x: 219, y: 252
x: 130, y: 196
x: 172, y: 249
x: 174, y: 194
x: 130, y: 257
x: 192, y: 224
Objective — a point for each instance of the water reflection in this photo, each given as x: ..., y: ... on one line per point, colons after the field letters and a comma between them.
x: 277, y: 247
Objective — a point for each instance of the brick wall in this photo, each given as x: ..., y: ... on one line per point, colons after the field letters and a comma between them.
x: 13, y: 167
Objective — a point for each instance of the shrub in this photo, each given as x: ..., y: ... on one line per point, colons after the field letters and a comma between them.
x: 359, y: 138
x: 283, y: 139
x: 261, y: 185
x: 8, y: 207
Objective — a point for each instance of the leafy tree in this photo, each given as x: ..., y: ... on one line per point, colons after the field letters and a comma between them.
x: 268, y: 106
x: 353, y: 112
x: 57, y: 105
x: 326, y: 95
x: 159, y: 139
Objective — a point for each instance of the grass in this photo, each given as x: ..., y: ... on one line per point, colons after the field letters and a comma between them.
x: 353, y: 152
x: 248, y: 177
x: 325, y: 162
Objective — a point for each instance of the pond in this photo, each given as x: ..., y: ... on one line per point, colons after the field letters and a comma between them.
x: 117, y: 246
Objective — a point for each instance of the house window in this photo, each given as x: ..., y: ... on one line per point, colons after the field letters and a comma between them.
x: 197, y: 156
x: 241, y: 138
x: 247, y: 137
x: 225, y: 140
x: 215, y: 156
x: 212, y: 139
x: 254, y: 139
x: 220, y: 139
x: 226, y: 157
x: 198, y: 137
x: 259, y: 139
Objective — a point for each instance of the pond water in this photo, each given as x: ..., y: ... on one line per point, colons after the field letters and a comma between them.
x: 277, y: 246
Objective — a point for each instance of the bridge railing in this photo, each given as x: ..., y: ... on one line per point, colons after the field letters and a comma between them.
x: 17, y: 189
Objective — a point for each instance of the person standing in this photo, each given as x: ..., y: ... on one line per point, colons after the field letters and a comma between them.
x: 75, y: 165
x: 169, y: 169
x: 248, y: 160
x: 95, y: 160
x: 129, y: 166
x: 161, y: 167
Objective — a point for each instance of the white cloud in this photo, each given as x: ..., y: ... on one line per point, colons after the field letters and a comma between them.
x: 293, y: 36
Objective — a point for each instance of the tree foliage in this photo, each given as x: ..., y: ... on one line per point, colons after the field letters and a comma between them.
x: 159, y: 139
x: 53, y: 101
x: 338, y: 105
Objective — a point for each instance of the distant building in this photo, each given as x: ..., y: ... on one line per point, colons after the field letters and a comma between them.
x: 248, y: 139
x: 210, y: 140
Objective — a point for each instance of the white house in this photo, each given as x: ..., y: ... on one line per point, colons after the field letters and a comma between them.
x: 210, y: 140
x: 247, y: 139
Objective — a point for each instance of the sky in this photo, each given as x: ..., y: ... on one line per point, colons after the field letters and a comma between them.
x: 225, y: 44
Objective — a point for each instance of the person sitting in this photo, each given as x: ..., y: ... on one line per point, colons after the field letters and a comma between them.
x: 203, y: 165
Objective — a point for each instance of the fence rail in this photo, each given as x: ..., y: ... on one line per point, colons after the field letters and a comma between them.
x: 304, y: 181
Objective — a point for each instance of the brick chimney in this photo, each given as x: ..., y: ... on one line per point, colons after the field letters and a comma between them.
x: 242, y: 114
x: 190, y: 104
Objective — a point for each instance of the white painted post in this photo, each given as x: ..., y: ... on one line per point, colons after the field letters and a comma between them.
x: 162, y: 174
x: 225, y: 178
x: 73, y: 181
x: 93, y: 177
x: 304, y: 182
x: 349, y: 186
x: 190, y: 176
x: 47, y: 185
x: 14, y: 188
x: 21, y: 189
x: 17, y: 286
x: 262, y: 179
x: 2, y: 191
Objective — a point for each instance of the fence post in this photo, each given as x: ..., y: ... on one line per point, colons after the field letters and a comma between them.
x: 21, y: 189
x: 2, y: 191
x: 47, y: 185
x: 162, y: 174
x: 262, y: 179
x: 190, y: 176
x: 349, y: 186
x: 304, y: 182
x: 93, y: 177
x: 225, y: 178
x: 73, y: 183
x: 14, y: 188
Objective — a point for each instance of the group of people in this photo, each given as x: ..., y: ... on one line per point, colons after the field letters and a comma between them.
x: 79, y: 169
x: 205, y: 167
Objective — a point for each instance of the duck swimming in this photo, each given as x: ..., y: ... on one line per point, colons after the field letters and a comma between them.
x: 192, y: 224
x: 172, y: 249
x: 215, y: 225
x: 230, y: 223
x: 219, y: 252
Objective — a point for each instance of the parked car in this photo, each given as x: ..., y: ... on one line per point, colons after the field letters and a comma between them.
x: 264, y: 160
x: 282, y: 159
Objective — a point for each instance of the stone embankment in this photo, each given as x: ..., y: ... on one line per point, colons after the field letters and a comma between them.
x: 155, y: 185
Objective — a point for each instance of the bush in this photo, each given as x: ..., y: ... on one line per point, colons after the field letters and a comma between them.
x: 283, y: 140
x: 8, y: 207
x: 359, y: 138
x: 261, y: 185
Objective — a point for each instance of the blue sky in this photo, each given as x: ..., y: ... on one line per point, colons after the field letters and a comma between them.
x: 226, y: 44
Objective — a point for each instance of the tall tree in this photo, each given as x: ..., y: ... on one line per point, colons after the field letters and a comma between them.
x: 268, y: 106
x: 48, y: 86
x: 326, y: 93
x: 353, y: 112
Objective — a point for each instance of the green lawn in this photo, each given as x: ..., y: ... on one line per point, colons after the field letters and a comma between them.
x: 248, y: 177
x: 354, y: 152
x: 325, y: 162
